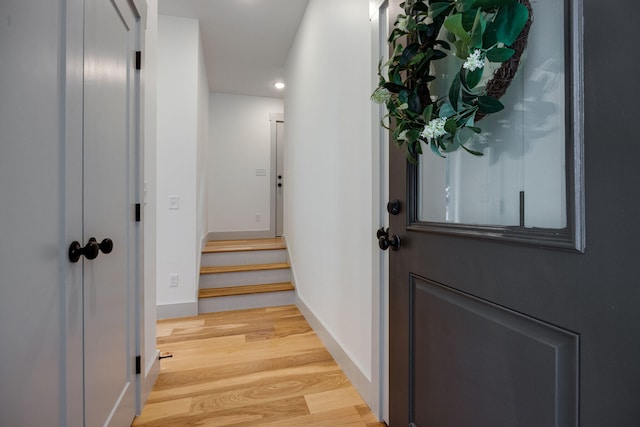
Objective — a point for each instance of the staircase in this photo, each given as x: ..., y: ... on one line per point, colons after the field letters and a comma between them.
x: 239, y: 274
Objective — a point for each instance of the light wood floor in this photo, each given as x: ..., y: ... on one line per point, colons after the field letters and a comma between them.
x: 260, y: 367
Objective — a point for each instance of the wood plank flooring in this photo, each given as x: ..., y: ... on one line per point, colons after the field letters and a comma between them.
x: 260, y: 367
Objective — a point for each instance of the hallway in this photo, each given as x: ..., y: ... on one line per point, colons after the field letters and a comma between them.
x: 259, y: 367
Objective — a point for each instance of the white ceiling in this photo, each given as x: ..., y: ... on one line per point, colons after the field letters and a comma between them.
x: 246, y: 42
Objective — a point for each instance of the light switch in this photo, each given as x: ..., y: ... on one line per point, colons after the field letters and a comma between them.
x: 261, y: 172
x: 174, y: 279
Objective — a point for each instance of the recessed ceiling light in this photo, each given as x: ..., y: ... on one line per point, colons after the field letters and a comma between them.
x: 279, y: 85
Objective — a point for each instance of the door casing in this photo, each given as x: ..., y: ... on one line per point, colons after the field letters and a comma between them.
x: 277, y: 170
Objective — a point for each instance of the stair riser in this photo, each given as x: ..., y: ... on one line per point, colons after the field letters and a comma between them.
x: 241, y: 302
x: 243, y: 258
x: 220, y: 280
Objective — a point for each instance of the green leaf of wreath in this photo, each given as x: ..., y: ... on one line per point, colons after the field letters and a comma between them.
x: 468, y: 18
x: 434, y: 148
x: 446, y: 110
x: 394, y: 88
x: 438, y: 8
x: 462, y: 49
x: 470, y: 151
x: 451, y: 126
x: 421, y: 7
x: 396, y: 78
x: 454, y: 92
x: 510, y: 21
x: 490, y: 38
x: 468, y: 97
x: 395, y: 35
x: 477, y: 31
x: 414, y: 102
x: 403, y: 97
x: 451, y: 146
x: 408, y: 53
x: 489, y: 105
x: 454, y: 25
x: 412, y: 135
x: 464, y: 5
x: 472, y: 78
x: 426, y: 114
x: 500, y: 54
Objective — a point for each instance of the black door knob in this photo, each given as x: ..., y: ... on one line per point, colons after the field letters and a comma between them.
x: 90, y: 251
x: 106, y: 246
x: 385, y: 242
x: 75, y: 251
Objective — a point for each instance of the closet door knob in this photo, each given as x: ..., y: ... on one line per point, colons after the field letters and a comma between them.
x: 106, y: 246
x: 90, y: 251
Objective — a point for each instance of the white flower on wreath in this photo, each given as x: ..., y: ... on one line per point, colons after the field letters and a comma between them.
x: 474, y: 61
x: 434, y: 129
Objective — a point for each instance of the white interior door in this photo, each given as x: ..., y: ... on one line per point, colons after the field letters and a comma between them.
x: 109, y: 196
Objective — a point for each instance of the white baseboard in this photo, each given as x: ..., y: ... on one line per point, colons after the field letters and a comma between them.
x: 151, y: 376
x: 171, y: 311
x: 355, y: 375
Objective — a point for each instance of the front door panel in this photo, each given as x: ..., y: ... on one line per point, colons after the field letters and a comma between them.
x: 470, y: 357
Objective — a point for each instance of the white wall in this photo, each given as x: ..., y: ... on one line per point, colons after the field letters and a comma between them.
x: 180, y: 136
x: 240, y: 143
x: 328, y: 199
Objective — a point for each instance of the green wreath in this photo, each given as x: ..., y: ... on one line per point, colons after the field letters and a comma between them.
x: 481, y: 32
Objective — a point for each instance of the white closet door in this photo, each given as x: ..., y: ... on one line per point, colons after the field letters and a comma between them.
x: 109, y: 187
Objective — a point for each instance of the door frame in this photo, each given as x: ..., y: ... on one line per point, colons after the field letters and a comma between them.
x: 379, y: 18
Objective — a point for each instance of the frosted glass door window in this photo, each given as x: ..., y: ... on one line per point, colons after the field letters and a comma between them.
x: 523, y: 145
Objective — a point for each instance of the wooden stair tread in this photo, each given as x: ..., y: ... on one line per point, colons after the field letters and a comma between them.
x: 245, y: 290
x: 244, y: 245
x: 243, y: 268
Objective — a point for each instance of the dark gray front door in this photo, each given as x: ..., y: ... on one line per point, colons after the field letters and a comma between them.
x: 488, y: 329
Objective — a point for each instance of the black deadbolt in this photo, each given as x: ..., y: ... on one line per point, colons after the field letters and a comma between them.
x: 393, y: 207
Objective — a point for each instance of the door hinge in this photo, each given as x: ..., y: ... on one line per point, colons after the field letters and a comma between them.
x: 138, y: 60
x: 138, y: 212
x: 138, y: 365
